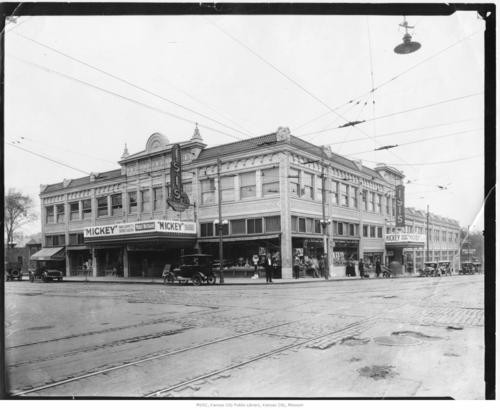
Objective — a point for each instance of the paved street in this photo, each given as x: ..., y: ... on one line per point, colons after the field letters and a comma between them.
x: 404, y: 337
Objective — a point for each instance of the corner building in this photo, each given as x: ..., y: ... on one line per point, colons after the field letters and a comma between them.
x: 119, y: 223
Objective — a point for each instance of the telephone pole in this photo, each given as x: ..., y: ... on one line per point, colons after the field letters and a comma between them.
x: 220, y: 225
x: 427, y: 235
x: 324, y: 223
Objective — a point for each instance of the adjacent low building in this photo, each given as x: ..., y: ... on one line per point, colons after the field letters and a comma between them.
x: 275, y: 189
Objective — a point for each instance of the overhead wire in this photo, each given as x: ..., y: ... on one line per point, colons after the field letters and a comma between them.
x: 435, y: 162
x: 129, y: 83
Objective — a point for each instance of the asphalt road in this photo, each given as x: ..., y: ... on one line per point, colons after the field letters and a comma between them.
x: 406, y: 337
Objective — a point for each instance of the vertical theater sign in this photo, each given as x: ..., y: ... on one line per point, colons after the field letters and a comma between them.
x: 400, y: 206
x: 178, y: 199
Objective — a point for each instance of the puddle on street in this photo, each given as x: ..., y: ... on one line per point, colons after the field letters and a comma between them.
x: 397, y: 341
x: 377, y: 372
x: 417, y: 335
x: 354, y: 341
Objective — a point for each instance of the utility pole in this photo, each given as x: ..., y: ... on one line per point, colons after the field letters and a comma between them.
x: 468, y: 244
x: 324, y: 222
x: 427, y: 235
x: 221, y: 253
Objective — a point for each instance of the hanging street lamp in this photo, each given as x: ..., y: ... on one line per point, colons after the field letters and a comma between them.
x: 407, y: 46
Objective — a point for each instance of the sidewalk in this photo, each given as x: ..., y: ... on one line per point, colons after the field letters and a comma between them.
x: 227, y: 280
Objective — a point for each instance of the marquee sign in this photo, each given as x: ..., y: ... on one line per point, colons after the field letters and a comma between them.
x: 178, y: 199
x: 140, y: 227
x: 400, y: 206
x: 404, y: 237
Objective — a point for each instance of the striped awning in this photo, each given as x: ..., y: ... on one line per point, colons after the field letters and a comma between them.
x: 49, y: 254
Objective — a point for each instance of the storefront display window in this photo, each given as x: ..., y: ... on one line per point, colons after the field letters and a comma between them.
x: 270, y: 181
x: 74, y: 211
x: 247, y: 185
x: 116, y: 204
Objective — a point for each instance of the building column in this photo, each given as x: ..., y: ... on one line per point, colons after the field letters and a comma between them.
x: 125, y: 262
x: 286, y: 224
x: 94, y: 263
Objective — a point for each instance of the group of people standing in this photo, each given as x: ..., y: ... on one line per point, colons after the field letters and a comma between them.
x: 315, y: 265
x: 350, y: 270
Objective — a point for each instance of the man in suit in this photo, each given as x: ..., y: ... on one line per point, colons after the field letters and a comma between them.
x: 268, y: 265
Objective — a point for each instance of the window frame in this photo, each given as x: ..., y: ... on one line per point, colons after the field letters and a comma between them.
x: 116, y: 209
x: 273, y: 182
x: 72, y: 211
x: 101, y: 207
x: 132, y: 202
x: 246, y: 187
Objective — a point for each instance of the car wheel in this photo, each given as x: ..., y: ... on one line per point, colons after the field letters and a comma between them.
x: 196, y: 280
x: 211, y: 280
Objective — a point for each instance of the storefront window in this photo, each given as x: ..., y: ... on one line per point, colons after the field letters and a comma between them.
x: 254, y: 225
x: 379, y: 203
x: 116, y: 204
x: 207, y: 229
x: 102, y: 206
x: 343, y: 195
x: 227, y: 188
x: 238, y: 226
x: 49, y: 214
x: 145, y: 201
x: 307, y: 185
x: 365, y: 231
x: 60, y: 213
x: 293, y: 176
x: 335, y: 192
x: 157, y: 198
x: 270, y: 181
x: 247, y: 185
x: 208, y: 191
x: 132, y: 202
x: 273, y: 223
x: 302, y: 224
x: 353, y: 191
x: 87, y: 208
x: 74, y: 211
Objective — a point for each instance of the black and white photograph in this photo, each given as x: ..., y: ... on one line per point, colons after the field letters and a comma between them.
x: 236, y: 201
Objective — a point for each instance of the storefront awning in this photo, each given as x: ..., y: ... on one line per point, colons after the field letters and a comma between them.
x: 49, y: 254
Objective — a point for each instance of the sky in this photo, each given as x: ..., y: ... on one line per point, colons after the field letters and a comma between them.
x: 243, y: 76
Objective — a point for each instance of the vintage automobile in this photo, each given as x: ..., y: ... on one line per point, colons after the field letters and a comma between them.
x: 468, y: 268
x: 13, y: 271
x: 46, y: 271
x: 430, y: 269
x: 477, y: 267
x: 196, y: 268
x: 444, y: 268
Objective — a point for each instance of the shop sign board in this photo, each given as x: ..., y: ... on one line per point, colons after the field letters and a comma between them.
x: 178, y: 199
x: 140, y: 227
x: 400, y: 206
x: 404, y: 237
x: 467, y: 251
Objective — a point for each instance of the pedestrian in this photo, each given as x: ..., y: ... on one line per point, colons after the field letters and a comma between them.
x: 378, y: 268
x: 268, y: 266
x: 361, y: 268
x: 296, y: 267
x: 322, y: 270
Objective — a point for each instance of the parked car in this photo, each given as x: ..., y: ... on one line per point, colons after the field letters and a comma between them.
x: 430, y: 269
x: 468, y: 268
x: 196, y: 268
x: 46, y: 271
x: 444, y: 268
x: 13, y: 271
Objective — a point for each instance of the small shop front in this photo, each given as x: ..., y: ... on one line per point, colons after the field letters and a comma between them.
x: 397, y: 246
x: 139, y: 249
x: 308, y: 256
x: 244, y: 256
x: 345, y: 256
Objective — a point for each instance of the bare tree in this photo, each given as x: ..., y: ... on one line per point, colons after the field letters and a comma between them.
x: 18, y: 212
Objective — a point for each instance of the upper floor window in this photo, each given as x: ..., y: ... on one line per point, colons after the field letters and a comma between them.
x: 307, y: 185
x: 302, y: 225
x: 187, y: 187
x: 343, y: 195
x: 318, y: 195
x: 317, y: 226
x: 132, y: 202
x: 371, y: 202
x: 60, y: 213
x: 145, y: 200
x: 387, y: 205
x: 270, y: 181
x: 206, y: 229
x: 393, y: 200
x: 55, y: 240
x: 335, y: 192
x: 116, y: 204
x: 372, y: 232
x: 379, y: 203
x: 254, y: 225
x: 273, y: 223
x: 365, y: 231
x: 74, y: 211
x: 364, y: 200
x: 76, y: 239
x: 238, y: 226
x: 293, y: 176
x: 87, y: 208
x: 353, y: 192
x: 247, y: 185
x: 227, y: 188
x: 224, y: 227
x: 294, y: 223
x: 157, y: 198
x: 49, y: 214
x: 102, y: 206
x: 208, y: 191
x: 379, y: 232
